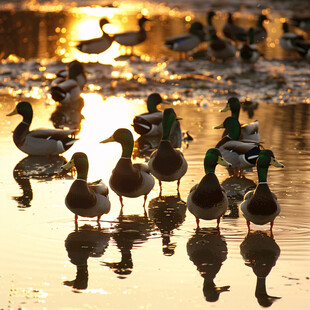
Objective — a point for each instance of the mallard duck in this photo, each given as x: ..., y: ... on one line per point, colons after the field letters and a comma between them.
x: 186, y: 42
x: 249, y: 52
x: 86, y: 199
x: 260, y: 206
x: 132, y: 38
x: 240, y: 155
x: 209, y: 27
x: 301, y: 22
x: 42, y: 142
x: 260, y: 32
x: 127, y: 179
x: 249, y: 132
x: 166, y: 163
x: 292, y: 41
x: 220, y: 49
x: 96, y: 45
x: 208, y: 200
x: 234, y: 32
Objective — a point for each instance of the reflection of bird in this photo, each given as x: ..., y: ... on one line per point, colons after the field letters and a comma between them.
x: 81, y: 245
x: 220, y: 49
x: 260, y: 251
x: 248, y: 131
x: 186, y: 42
x: 239, y: 154
x: 96, y: 45
x: 168, y: 213
x: 208, y: 250
x: 132, y: 38
x: 208, y: 200
x: 166, y: 163
x: 234, y: 32
x: 40, y: 141
x: 260, y: 32
x: 260, y: 206
x: 130, y: 232
x: 127, y: 179
x: 249, y: 106
x: 39, y: 168
x: 86, y: 199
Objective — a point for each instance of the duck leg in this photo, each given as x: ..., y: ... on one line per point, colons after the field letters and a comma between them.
x: 271, y: 226
x: 76, y: 222
x: 178, y: 187
x: 98, y: 222
x: 122, y: 205
x: 248, y: 224
x: 160, y: 189
x: 145, y: 197
x: 197, y: 222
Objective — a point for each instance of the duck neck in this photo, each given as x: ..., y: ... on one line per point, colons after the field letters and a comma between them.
x: 82, y: 169
x: 262, y: 174
x: 166, y: 130
x: 235, y: 113
x: 151, y: 107
x: 27, y: 118
x: 127, y: 148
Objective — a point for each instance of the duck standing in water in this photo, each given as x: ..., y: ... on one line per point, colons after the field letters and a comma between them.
x: 208, y: 200
x: 132, y: 38
x: 260, y: 206
x: 234, y: 32
x: 127, y: 179
x: 166, y: 163
x: 260, y: 32
x: 96, y: 45
x: 39, y: 142
x: 86, y: 199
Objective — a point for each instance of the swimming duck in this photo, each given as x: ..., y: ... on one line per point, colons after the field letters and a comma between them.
x: 249, y: 131
x: 234, y: 32
x: 186, y: 42
x: 166, y: 163
x: 132, y: 38
x: 291, y: 41
x: 208, y: 200
x: 260, y: 206
x: 240, y: 155
x: 249, y: 52
x: 260, y: 32
x: 41, y: 142
x: 86, y: 199
x: 96, y: 45
x: 127, y: 179
x: 219, y: 48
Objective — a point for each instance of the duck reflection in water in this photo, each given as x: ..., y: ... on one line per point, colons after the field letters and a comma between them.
x: 168, y: 213
x: 80, y: 245
x: 207, y: 249
x: 260, y: 251
x: 130, y: 232
x: 35, y: 167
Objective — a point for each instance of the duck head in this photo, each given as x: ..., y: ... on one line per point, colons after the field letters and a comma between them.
x: 23, y: 108
x: 142, y: 20
x: 261, y: 19
x: 78, y: 160
x: 212, y: 158
x: 210, y: 16
x: 75, y: 69
x: 233, y: 105
x: 103, y: 21
x: 197, y: 30
x: 125, y: 138
x: 285, y: 27
x: 169, y: 117
x: 153, y: 100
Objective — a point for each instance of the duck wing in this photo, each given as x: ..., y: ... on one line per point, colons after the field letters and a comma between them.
x: 238, y: 146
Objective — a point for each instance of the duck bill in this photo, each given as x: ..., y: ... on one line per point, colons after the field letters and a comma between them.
x: 275, y: 163
x: 219, y: 126
x: 14, y: 112
x: 178, y: 118
x: 69, y: 165
x: 226, y: 108
x: 111, y: 139
x: 223, y: 162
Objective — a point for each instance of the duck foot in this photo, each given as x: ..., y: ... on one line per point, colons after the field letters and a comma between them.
x: 76, y: 225
x: 160, y: 190
x: 178, y: 188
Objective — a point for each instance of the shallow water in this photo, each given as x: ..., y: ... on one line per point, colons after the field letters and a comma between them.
x: 158, y: 261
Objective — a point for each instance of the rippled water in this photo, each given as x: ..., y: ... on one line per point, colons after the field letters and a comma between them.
x: 158, y: 261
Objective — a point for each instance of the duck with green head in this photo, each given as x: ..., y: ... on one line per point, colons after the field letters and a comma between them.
x: 240, y: 155
x: 128, y: 179
x: 260, y: 206
x: 39, y: 142
x: 249, y: 53
x: 234, y: 32
x: 249, y: 132
x: 166, y: 163
x: 86, y: 199
x: 208, y: 200
x: 260, y: 32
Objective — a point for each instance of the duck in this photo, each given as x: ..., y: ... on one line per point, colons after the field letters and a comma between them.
x: 209, y: 27
x: 249, y: 132
x: 132, y: 38
x: 301, y: 22
x: 234, y: 32
x: 260, y: 206
x: 86, y: 199
x: 291, y: 41
x: 39, y: 142
x: 248, y: 52
x: 184, y: 43
x: 207, y: 200
x: 167, y: 163
x: 241, y: 155
x: 220, y: 49
x: 96, y: 45
x: 260, y: 32
x: 128, y: 179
